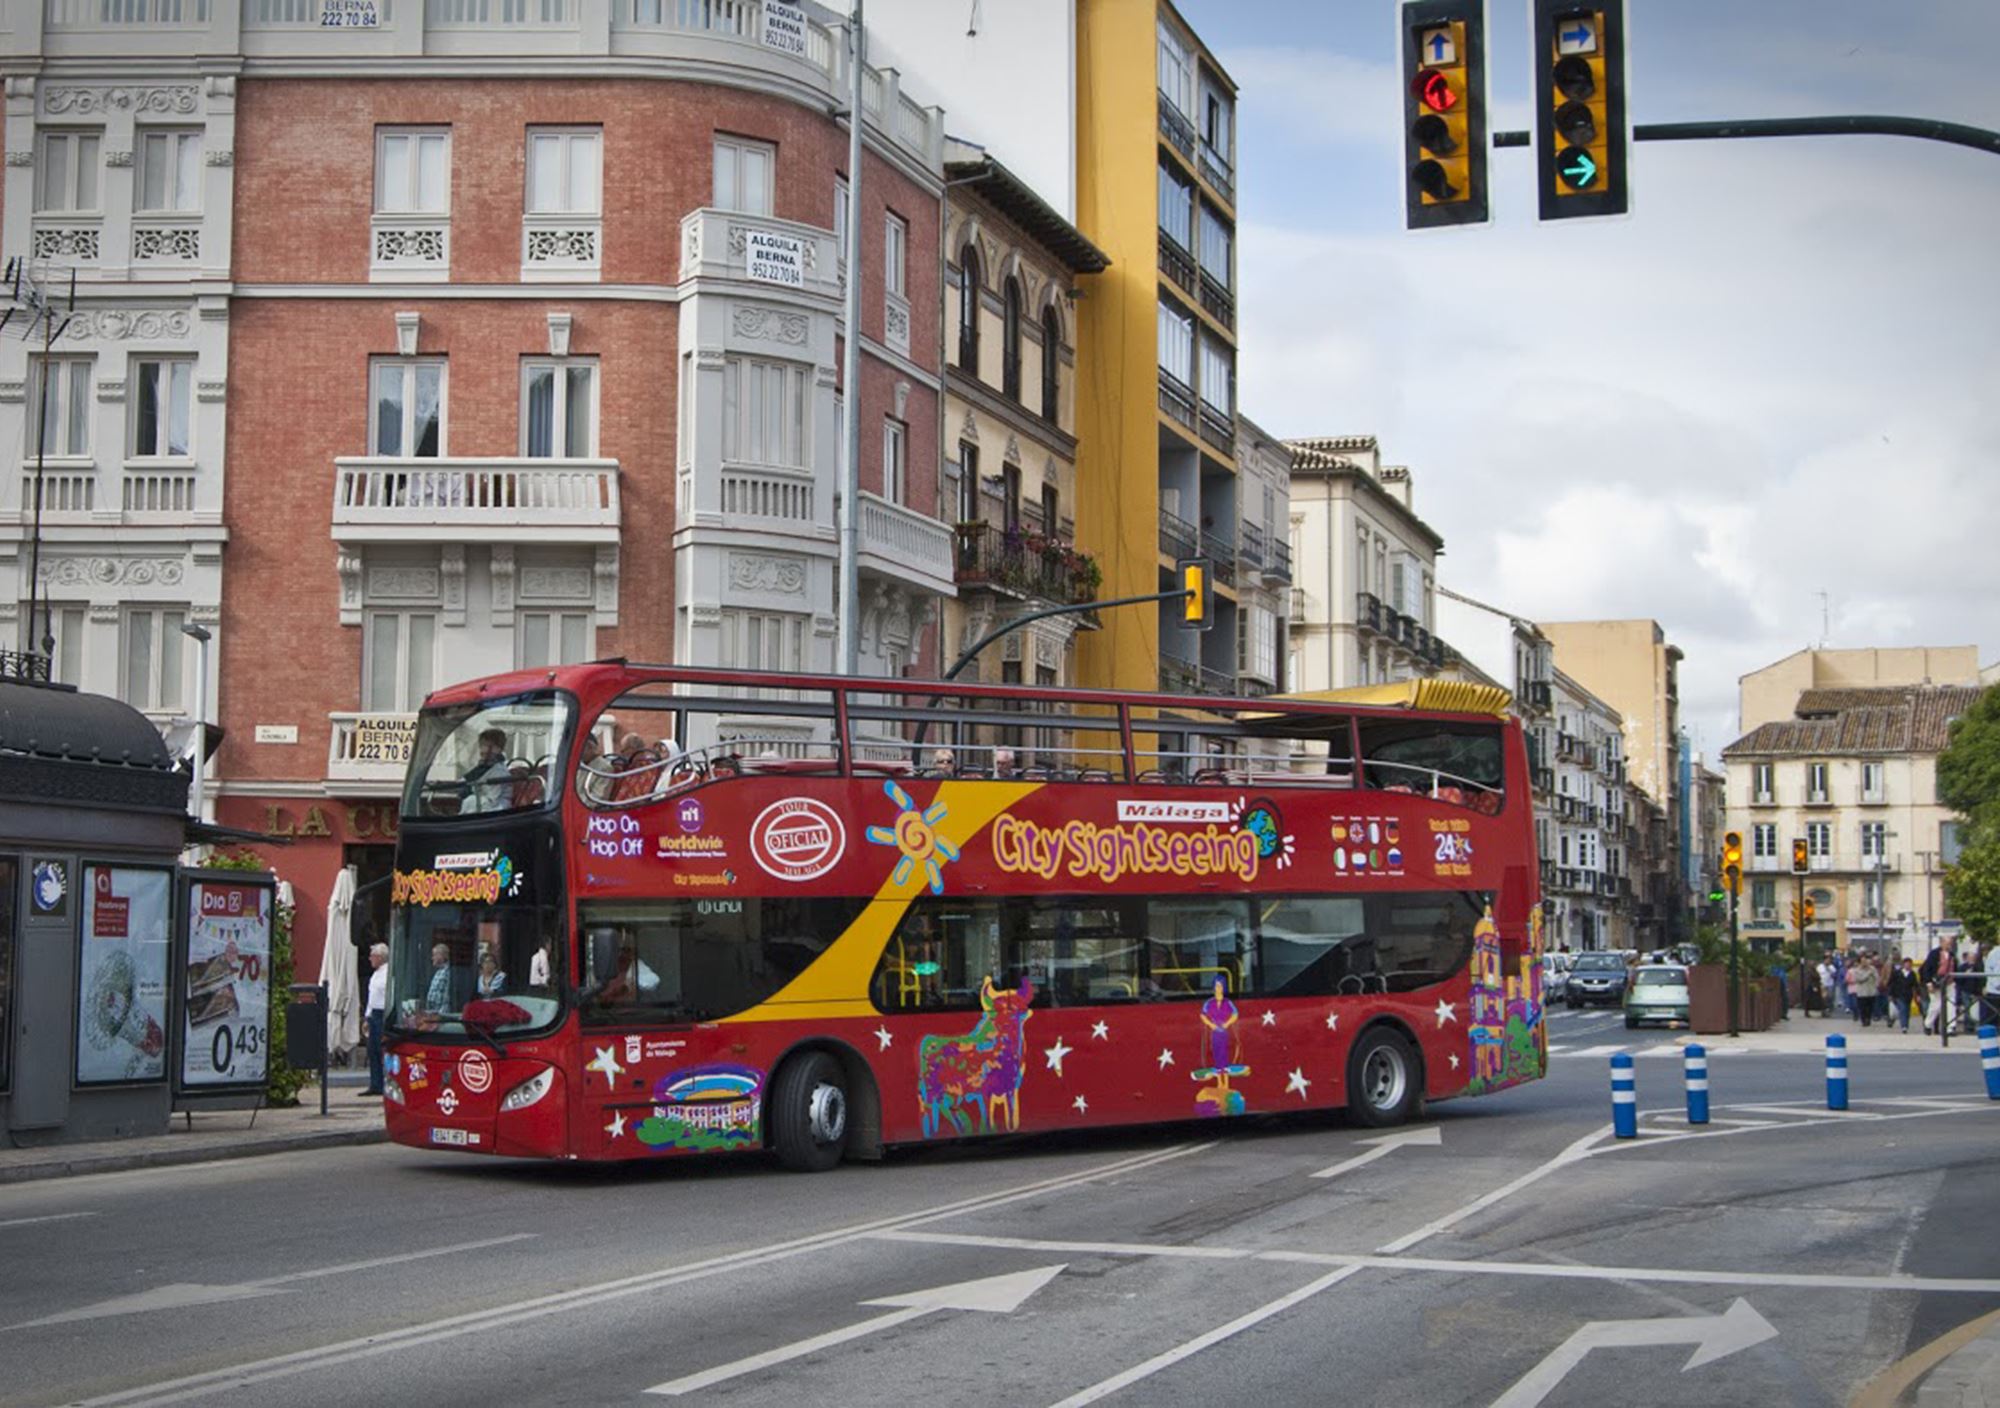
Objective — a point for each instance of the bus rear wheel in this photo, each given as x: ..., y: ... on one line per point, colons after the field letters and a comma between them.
x: 809, y: 1113
x: 1382, y: 1084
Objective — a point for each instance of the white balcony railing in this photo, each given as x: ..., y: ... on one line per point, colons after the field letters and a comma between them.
x: 563, y: 247
x: 370, y: 748
x: 475, y: 500
x: 785, y: 495
x: 127, y: 14
x: 902, y: 543
x: 409, y: 248
x: 896, y: 322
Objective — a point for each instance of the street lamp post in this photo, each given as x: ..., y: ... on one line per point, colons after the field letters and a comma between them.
x: 197, y: 794
x: 849, y: 618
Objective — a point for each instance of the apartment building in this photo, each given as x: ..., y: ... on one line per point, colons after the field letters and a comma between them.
x: 1586, y: 885
x: 1365, y: 607
x: 516, y: 381
x: 1011, y: 278
x: 1851, y: 773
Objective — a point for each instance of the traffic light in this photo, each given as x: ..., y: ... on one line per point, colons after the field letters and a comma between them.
x: 1198, y: 593
x: 1801, y: 862
x: 1582, y: 135
x: 1444, y: 113
x: 1732, y: 862
x: 1807, y: 914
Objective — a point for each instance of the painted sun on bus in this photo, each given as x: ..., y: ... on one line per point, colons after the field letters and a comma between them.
x: 794, y: 913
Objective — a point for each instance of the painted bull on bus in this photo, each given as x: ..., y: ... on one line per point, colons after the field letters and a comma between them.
x: 983, y: 1068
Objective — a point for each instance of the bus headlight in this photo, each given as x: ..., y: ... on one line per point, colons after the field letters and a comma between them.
x: 529, y: 1091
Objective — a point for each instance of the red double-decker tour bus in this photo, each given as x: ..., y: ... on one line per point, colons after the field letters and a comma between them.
x: 642, y: 911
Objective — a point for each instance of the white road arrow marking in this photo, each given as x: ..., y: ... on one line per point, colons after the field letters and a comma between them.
x: 1383, y: 1144
x: 995, y: 1295
x: 1713, y: 1337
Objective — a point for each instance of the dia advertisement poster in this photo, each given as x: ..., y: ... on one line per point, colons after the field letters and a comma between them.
x: 121, y: 1019
x: 226, y: 1003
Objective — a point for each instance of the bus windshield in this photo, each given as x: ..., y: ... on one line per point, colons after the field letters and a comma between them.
x: 487, y: 756
x: 475, y: 968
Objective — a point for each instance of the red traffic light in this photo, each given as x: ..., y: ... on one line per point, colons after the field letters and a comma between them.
x: 1434, y: 91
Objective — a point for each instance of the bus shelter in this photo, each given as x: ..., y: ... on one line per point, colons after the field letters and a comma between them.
x: 107, y: 1016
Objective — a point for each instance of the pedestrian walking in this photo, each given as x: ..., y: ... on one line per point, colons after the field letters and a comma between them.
x: 1824, y: 972
x: 1967, y: 967
x: 1784, y: 991
x: 1901, y: 989
x: 1840, y: 983
x: 377, y: 1012
x: 1864, y: 982
x: 1935, y: 978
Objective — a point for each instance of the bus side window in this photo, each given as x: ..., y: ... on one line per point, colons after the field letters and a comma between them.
x: 1315, y: 946
x: 1191, y: 942
x: 1425, y: 937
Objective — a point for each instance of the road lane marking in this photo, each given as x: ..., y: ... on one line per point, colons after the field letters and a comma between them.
x: 990, y: 1295
x: 1039, y: 1244
x: 47, y: 1217
x: 258, y: 1371
x: 1431, y: 1136
x: 1714, y: 1337
x: 1166, y: 1360
x: 396, y: 1260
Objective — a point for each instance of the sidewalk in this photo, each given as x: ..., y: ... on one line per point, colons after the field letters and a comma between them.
x: 1807, y: 1036
x: 1969, y: 1377
x: 215, y: 1134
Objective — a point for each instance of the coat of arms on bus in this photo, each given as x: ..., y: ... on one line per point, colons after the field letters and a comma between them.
x: 982, y: 1068
x: 1506, y: 1010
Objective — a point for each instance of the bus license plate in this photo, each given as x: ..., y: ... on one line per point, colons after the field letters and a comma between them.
x: 451, y: 1136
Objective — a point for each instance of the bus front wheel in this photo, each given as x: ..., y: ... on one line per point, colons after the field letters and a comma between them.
x: 809, y: 1113
x: 1382, y: 1082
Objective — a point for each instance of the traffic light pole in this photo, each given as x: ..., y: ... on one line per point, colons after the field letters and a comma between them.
x: 1735, y: 961
x: 1847, y: 125
x: 1799, y: 918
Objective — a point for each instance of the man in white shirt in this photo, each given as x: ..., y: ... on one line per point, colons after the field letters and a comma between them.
x: 377, y: 1011
x: 1992, y: 1003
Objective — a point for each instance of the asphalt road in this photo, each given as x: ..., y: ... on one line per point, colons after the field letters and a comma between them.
x: 1521, y: 1258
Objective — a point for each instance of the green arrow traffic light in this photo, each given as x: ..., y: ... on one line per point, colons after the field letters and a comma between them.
x: 1576, y: 168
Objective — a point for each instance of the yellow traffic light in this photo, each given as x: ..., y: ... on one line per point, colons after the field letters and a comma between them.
x: 1197, y: 593
x: 1444, y: 112
x: 1580, y: 122
x: 1801, y: 861
x: 1808, y: 913
x: 1732, y: 861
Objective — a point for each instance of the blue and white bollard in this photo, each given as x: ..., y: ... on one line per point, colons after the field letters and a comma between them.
x: 1624, y: 1098
x: 1989, y: 1057
x: 1696, y: 1064
x: 1836, y: 1072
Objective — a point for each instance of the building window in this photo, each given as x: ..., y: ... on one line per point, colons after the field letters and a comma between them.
x: 408, y: 408
x: 399, y: 660
x: 559, y: 410
x: 1871, y: 896
x: 169, y: 173
x: 66, y: 173
x: 1176, y: 344
x: 547, y: 638
x: 1051, y: 510
x: 764, y: 413
x: 1216, y: 240
x: 1816, y: 790
x: 895, y: 253
x: 1764, y: 898
x: 840, y: 223
x: 1586, y: 850
x: 1010, y: 497
x: 1951, y: 842
x: 61, y: 386
x: 1819, y: 844
x: 1176, y: 207
x: 762, y: 640
x: 743, y: 175
x: 1762, y: 785
x: 412, y: 172
x: 895, y: 473
x: 1051, y: 365
x: 1258, y: 656
x: 1871, y: 782
x: 968, y: 482
x: 1764, y: 842
x: 152, y: 657
x: 968, y: 310
x: 1176, y: 72
x: 66, y: 625
x: 160, y: 396
x: 565, y: 172
x: 1010, y: 339
x: 1218, y: 376
x: 1216, y: 121
x: 1874, y: 842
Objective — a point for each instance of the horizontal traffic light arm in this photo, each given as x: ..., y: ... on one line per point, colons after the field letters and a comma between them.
x: 1926, y: 129
x: 966, y: 656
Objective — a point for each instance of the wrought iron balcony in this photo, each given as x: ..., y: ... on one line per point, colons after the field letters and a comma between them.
x: 1028, y: 565
x: 1250, y: 545
x: 1222, y: 555
x: 1368, y: 611
x: 1176, y: 263
x: 1278, y: 562
x: 1179, y: 676
x: 1216, y: 300
x: 1178, y: 131
x: 1218, y: 428
x: 1178, y: 537
x: 1177, y: 398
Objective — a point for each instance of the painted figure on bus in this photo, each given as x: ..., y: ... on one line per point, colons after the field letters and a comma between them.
x: 1225, y: 1055
x: 1489, y: 1002
x: 983, y: 1068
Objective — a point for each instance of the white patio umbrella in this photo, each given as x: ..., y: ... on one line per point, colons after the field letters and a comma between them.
x: 337, y: 970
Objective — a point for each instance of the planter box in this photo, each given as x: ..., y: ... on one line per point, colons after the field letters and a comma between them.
x: 1708, y: 1001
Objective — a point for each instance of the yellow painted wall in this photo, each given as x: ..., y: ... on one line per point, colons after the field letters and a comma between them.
x: 1118, y: 497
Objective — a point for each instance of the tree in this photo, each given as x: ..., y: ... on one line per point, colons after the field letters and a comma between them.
x: 1968, y: 780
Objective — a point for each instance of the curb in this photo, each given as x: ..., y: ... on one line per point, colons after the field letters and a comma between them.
x: 84, y: 1163
x: 1969, y: 1377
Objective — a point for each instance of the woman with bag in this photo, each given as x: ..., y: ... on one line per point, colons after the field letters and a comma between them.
x: 1864, y: 982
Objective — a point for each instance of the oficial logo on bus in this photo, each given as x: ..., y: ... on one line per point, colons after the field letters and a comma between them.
x: 797, y: 839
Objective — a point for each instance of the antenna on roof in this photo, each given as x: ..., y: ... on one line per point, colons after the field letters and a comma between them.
x: 1824, y: 630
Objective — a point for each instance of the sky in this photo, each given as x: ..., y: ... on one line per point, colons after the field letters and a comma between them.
x: 1778, y: 377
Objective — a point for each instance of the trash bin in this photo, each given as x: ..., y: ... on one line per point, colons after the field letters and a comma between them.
x: 305, y: 1029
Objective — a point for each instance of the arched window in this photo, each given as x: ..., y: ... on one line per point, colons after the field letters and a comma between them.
x: 1010, y: 341
x: 968, y: 309
x: 1051, y: 364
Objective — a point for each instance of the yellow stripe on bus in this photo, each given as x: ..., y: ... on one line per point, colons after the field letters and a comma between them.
x: 836, y: 985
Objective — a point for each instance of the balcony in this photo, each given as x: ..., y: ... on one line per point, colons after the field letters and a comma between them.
x: 1179, y: 676
x: 370, y: 750
x: 1218, y: 428
x: 475, y: 500
x: 1221, y: 555
x: 1216, y: 171
x: 905, y: 545
x: 1250, y: 546
x: 1178, y: 131
x: 1176, y: 263
x: 561, y: 248
x: 1539, y: 696
x: 1176, y: 399
x: 1025, y: 565
x: 1178, y: 537
x: 1217, y: 302
x: 1216, y: 681
x: 1368, y: 612
x: 1295, y: 605
x: 1278, y: 563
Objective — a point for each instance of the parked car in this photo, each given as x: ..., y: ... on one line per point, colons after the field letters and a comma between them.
x: 1657, y: 993
x: 1555, y: 976
x: 1595, y: 978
